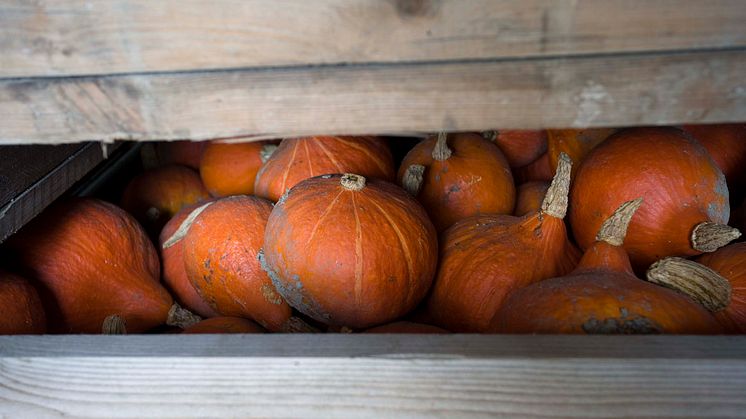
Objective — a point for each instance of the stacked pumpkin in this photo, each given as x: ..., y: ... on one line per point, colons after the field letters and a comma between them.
x: 321, y: 233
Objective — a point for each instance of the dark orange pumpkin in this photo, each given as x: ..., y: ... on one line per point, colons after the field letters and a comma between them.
x: 407, y: 327
x: 220, y: 257
x: 348, y: 252
x: 726, y: 143
x: 576, y: 143
x: 186, y: 153
x: 22, y: 311
x: 156, y: 195
x: 297, y: 159
x: 603, y: 296
x: 684, y: 190
x: 520, y: 147
x: 230, y: 169
x: 92, y: 260
x: 538, y: 170
x: 730, y: 262
x: 485, y: 257
x: 220, y: 325
x: 464, y: 175
x: 529, y: 197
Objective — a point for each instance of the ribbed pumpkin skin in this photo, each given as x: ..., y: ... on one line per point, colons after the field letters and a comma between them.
x: 681, y: 185
x: 220, y: 257
x: 156, y: 195
x: 529, y: 197
x: 484, y: 258
x: 186, y: 153
x: 220, y: 325
x: 174, y: 273
x: 475, y: 179
x: 576, y: 143
x: 602, y: 296
x: 521, y: 147
x: 297, y: 159
x: 730, y: 262
x: 22, y: 311
x: 407, y: 327
x: 93, y: 260
x: 230, y: 169
x: 726, y: 143
x: 350, y: 258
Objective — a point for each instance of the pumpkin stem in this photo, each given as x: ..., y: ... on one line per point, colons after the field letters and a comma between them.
x: 183, y: 229
x: 441, y: 152
x: 114, y: 325
x: 297, y: 325
x: 181, y: 317
x: 266, y: 152
x: 352, y: 182
x: 555, y: 201
x: 614, y: 229
x: 699, y: 282
x: 490, y: 135
x: 709, y: 237
x: 413, y: 178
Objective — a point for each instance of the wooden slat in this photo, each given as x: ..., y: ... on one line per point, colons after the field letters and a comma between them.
x: 391, y: 376
x: 591, y: 91
x: 74, y: 37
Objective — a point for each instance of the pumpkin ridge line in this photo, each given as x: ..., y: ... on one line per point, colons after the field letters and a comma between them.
x: 381, y: 165
x: 287, y: 168
x: 358, y: 254
x: 308, y: 157
x: 322, y: 217
x: 330, y: 156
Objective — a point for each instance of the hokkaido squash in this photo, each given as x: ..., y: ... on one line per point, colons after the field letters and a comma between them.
x: 726, y: 143
x: 457, y: 176
x: 603, y: 296
x: 350, y: 252
x: 92, y: 260
x: 297, y: 159
x: 22, y: 311
x: 186, y: 153
x: 520, y: 147
x: 684, y: 190
x: 156, y: 195
x: 407, y: 327
x: 576, y: 143
x: 485, y: 257
x: 230, y: 169
x: 538, y: 170
x: 529, y: 197
x: 220, y: 325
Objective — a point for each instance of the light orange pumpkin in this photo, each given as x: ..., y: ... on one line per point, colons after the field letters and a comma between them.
x: 230, y: 169
x: 22, y: 310
x: 529, y: 197
x: 407, y: 327
x: 726, y: 143
x: 220, y: 325
x: 350, y: 252
x: 520, y: 147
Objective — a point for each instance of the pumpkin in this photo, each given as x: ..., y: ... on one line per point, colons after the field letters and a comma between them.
x: 538, y: 170
x: 220, y: 257
x: 603, y: 296
x: 186, y: 153
x: 684, y: 190
x: 576, y: 143
x: 174, y: 273
x: 529, y: 197
x: 230, y: 169
x: 23, y: 313
x: 485, y: 257
x: 726, y: 143
x: 156, y: 195
x: 351, y: 252
x: 520, y: 147
x: 457, y: 176
x: 406, y: 327
x: 297, y: 159
x: 92, y: 260
x: 219, y: 325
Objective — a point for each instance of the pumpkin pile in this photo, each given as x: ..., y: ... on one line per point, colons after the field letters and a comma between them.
x: 593, y: 231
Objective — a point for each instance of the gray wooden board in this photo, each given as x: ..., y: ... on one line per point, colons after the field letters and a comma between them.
x: 619, y: 90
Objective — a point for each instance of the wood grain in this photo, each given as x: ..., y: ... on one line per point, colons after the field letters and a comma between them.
x: 579, y: 92
x: 83, y: 37
x: 132, y: 383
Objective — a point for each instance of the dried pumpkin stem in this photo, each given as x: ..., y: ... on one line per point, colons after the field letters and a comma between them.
x: 699, y: 282
x: 441, y: 152
x: 490, y: 135
x: 297, y: 325
x: 614, y: 229
x: 413, y: 178
x: 266, y: 152
x: 352, y: 182
x: 555, y: 201
x: 709, y: 237
x: 114, y: 325
x: 183, y: 229
x: 181, y: 317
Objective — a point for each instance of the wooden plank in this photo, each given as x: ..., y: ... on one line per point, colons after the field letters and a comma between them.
x: 379, y: 383
x: 557, y: 92
x: 75, y: 37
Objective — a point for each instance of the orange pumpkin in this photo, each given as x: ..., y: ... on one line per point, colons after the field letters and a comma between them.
x: 603, y: 296
x: 348, y: 252
x: 23, y: 313
x: 186, y: 153
x: 529, y: 197
x: 726, y: 143
x: 484, y: 258
x: 156, y: 195
x: 538, y: 170
x: 730, y: 262
x: 464, y: 175
x: 297, y: 159
x: 685, y: 193
x: 174, y: 273
x: 407, y: 327
x: 576, y: 143
x: 220, y: 325
x: 93, y: 260
x: 220, y: 256
x: 230, y: 169
x: 520, y: 147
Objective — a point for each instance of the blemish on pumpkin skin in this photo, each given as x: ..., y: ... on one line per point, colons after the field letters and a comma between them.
x: 621, y: 326
x: 270, y: 295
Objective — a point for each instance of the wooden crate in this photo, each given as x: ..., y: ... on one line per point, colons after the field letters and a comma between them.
x: 79, y: 71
